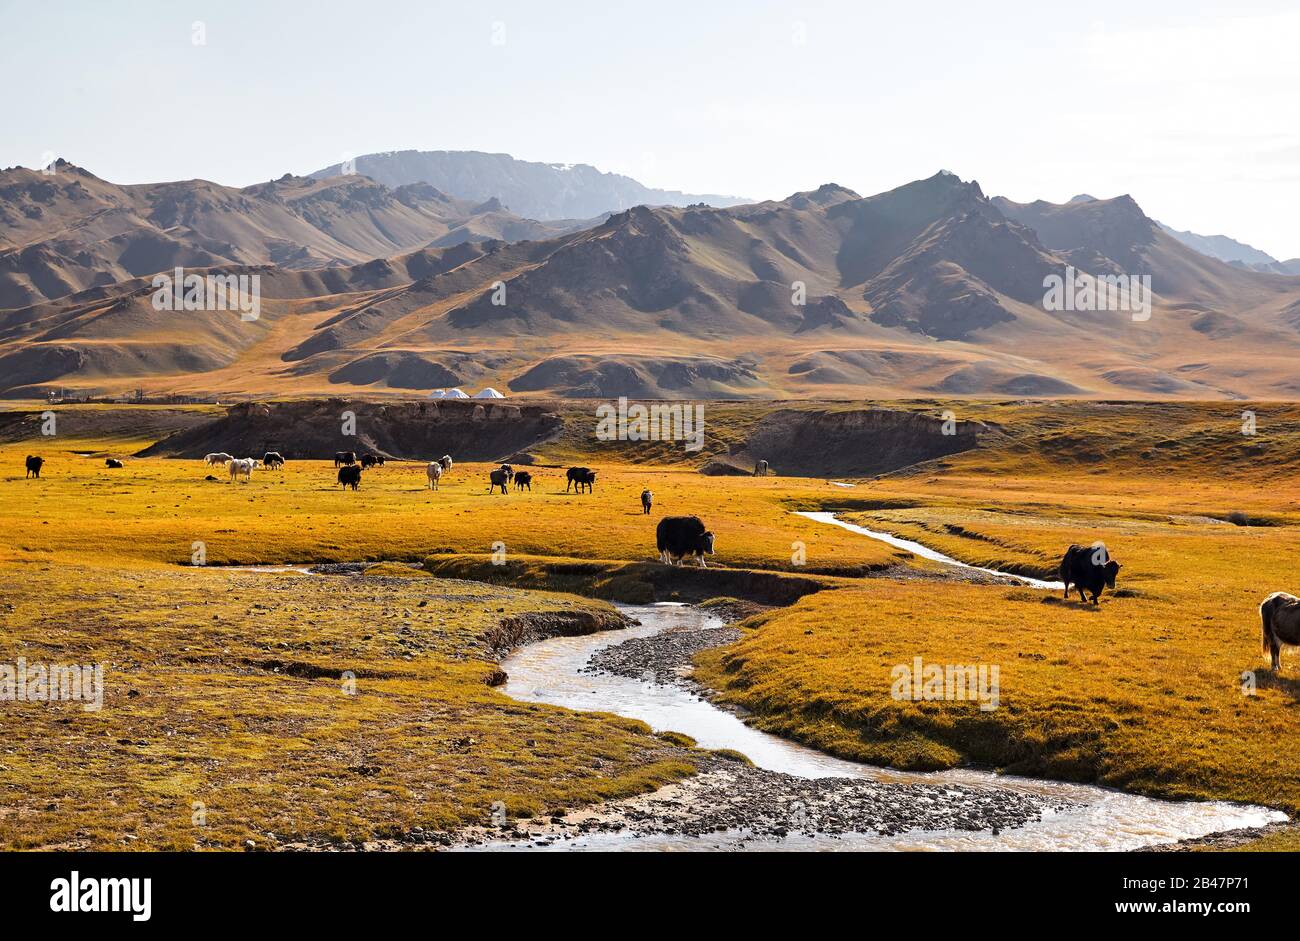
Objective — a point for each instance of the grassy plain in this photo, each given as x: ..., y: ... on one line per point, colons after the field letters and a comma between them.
x: 1144, y: 692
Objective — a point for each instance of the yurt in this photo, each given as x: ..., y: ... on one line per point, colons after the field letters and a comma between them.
x: 447, y: 394
x: 489, y: 393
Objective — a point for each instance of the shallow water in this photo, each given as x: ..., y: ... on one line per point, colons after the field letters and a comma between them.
x: 923, y: 551
x: 1102, y: 819
x: 264, y: 569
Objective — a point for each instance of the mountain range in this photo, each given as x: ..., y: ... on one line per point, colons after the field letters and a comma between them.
x: 1237, y: 253
x: 930, y: 289
x: 535, y: 190
x: 63, y: 230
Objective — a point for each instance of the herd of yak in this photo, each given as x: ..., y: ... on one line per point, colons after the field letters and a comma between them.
x: 1090, y: 570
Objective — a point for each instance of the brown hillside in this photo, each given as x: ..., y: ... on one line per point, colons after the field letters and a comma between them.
x: 931, y: 288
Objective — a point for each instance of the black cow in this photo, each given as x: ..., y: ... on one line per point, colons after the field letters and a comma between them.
x: 681, y: 537
x: 499, y: 478
x: 272, y: 459
x: 112, y: 462
x: 580, y: 477
x: 372, y: 460
x: 34, y: 465
x: 350, y: 476
x: 524, y: 480
x: 1280, y: 620
x: 647, y: 500
x: 1088, y: 568
x: 344, y: 457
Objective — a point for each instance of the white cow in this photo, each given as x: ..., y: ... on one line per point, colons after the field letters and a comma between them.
x: 444, y: 462
x: 435, y: 472
x: 220, y: 457
x: 244, y: 467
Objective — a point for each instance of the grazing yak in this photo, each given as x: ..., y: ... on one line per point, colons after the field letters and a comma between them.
x: 510, y: 471
x: 219, y: 457
x: 272, y: 459
x: 1088, y: 568
x: 524, y: 480
x: 445, y: 461
x: 244, y: 467
x: 499, y: 478
x: 580, y: 477
x: 683, y: 537
x: 434, y: 472
x: 112, y: 462
x: 34, y: 465
x: 344, y: 457
x: 760, y: 469
x: 350, y: 476
x: 372, y: 460
x: 1280, y: 616
x: 647, y: 501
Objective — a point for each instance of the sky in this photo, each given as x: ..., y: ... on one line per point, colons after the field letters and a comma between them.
x: 1190, y: 106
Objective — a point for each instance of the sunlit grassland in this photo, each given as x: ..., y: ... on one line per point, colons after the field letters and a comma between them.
x: 154, y: 510
x: 1144, y: 692
x: 95, y: 568
x: 227, y: 716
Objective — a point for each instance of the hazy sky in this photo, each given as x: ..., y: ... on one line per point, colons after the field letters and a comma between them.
x: 1190, y: 106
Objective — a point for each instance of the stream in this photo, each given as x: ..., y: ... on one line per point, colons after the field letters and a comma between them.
x: 1070, y: 816
x: 925, y: 552
x: 1046, y: 815
x: 1092, y: 818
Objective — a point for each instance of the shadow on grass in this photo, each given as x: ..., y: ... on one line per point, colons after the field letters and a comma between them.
x: 1268, y: 679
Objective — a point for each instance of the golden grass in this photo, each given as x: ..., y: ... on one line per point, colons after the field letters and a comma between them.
x: 154, y: 510
x: 226, y: 696
x: 1285, y: 841
x: 1142, y: 693
x: 95, y: 565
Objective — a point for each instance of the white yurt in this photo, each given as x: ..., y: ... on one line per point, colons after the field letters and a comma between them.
x: 447, y: 394
x: 489, y: 393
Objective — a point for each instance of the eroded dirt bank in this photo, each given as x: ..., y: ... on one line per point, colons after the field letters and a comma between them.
x: 629, y: 582
x: 857, y: 442
x: 314, y: 430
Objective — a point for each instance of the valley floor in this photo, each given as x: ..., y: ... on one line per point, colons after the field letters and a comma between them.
x: 228, y: 716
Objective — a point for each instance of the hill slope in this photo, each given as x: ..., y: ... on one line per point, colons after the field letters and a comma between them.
x: 69, y: 230
x: 928, y: 289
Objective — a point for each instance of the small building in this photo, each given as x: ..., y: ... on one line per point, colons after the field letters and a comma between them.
x: 447, y: 394
x: 489, y: 393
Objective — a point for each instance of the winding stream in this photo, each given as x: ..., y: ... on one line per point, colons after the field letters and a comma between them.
x: 1099, y: 818
x: 1079, y: 817
x: 923, y: 551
